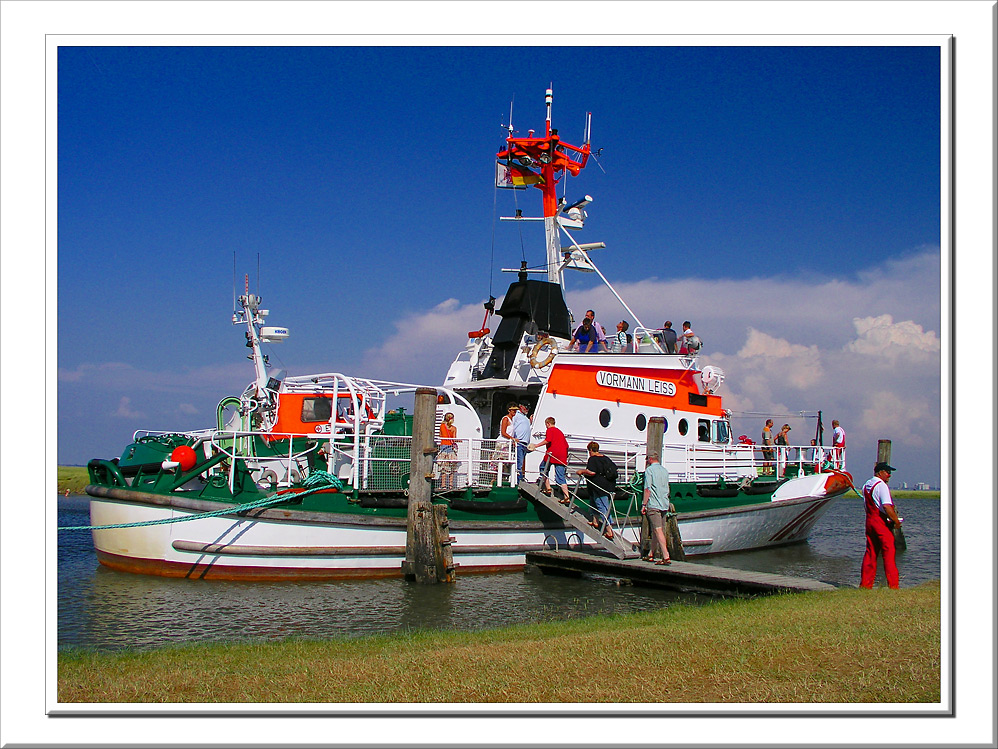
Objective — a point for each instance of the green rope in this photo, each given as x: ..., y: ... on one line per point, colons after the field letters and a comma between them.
x: 315, y: 482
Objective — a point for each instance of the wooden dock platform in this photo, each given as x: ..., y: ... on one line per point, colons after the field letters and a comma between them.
x: 683, y: 576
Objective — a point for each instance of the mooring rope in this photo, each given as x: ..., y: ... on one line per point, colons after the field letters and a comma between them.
x: 315, y: 482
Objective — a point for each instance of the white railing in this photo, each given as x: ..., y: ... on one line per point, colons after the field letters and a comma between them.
x: 382, y: 462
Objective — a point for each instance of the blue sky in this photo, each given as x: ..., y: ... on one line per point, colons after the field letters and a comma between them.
x: 784, y: 199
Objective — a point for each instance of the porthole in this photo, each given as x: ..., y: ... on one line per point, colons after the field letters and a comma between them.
x: 641, y: 422
x: 604, y: 417
x: 683, y: 427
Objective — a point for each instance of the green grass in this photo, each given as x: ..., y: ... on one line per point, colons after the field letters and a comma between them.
x: 914, y: 494
x: 73, y: 478
x: 845, y: 646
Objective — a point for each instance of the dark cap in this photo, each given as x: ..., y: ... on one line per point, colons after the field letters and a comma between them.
x: 881, y: 466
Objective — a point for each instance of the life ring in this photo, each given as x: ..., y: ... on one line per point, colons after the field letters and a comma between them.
x: 537, y: 350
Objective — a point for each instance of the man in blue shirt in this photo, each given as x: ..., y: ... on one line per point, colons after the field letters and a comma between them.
x: 656, y: 506
x: 521, y: 436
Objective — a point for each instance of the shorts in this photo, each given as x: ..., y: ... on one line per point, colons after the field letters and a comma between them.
x: 656, y: 518
x: 559, y: 472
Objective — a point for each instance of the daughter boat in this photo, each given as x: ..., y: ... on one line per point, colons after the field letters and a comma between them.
x: 306, y: 477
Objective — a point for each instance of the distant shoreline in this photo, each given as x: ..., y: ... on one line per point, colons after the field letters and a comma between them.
x: 74, y: 478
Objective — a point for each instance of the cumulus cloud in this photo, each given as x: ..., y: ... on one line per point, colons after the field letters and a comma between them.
x: 125, y: 410
x: 880, y: 336
x: 424, y: 343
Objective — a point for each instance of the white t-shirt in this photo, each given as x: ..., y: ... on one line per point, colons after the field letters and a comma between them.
x: 839, y: 437
x: 880, y: 492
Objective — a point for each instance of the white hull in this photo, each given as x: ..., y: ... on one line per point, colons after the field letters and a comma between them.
x: 345, y: 546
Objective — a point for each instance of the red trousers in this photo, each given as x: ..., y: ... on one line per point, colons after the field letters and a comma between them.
x: 879, y: 542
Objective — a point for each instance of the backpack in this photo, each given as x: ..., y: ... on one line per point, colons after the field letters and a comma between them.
x: 608, y: 470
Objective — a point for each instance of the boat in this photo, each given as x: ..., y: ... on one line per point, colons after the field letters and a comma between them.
x: 307, y: 477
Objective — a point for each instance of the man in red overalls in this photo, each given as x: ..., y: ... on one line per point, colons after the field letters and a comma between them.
x: 879, y: 535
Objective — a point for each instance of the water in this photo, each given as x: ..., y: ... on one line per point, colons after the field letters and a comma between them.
x: 108, y: 610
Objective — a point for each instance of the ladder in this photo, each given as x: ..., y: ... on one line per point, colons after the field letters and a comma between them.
x: 571, y: 514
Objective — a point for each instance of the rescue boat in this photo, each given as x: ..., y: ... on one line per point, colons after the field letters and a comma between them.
x: 306, y: 477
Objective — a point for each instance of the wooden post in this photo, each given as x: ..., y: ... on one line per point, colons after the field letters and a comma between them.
x: 883, y: 451
x: 884, y: 456
x: 422, y: 542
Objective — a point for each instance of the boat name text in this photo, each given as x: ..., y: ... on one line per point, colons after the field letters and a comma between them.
x: 630, y: 382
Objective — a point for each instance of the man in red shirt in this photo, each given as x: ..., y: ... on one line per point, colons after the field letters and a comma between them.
x: 557, y: 455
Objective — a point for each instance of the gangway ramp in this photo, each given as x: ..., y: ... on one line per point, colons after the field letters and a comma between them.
x: 573, y: 516
x: 683, y: 576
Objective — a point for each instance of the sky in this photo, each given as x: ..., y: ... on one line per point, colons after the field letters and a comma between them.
x: 786, y: 200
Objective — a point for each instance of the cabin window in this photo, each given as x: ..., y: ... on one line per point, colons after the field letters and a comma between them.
x: 722, y: 432
x: 641, y: 422
x: 683, y: 427
x: 703, y: 430
x: 316, y: 409
x: 665, y: 425
x: 604, y: 418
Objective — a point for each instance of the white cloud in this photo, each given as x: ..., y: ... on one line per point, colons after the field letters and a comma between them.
x: 187, y: 408
x: 881, y: 336
x: 125, y: 411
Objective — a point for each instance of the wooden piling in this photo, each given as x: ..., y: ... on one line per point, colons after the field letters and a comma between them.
x: 427, y: 559
x: 883, y: 451
x: 884, y: 456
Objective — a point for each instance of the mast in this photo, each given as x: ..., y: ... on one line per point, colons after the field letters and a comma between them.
x: 251, y: 316
x: 551, y: 156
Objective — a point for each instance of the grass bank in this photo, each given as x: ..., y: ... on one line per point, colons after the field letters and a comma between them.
x: 914, y: 494
x: 73, y: 479
x: 845, y: 646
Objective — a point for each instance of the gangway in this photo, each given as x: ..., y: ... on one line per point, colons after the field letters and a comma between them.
x: 618, y: 546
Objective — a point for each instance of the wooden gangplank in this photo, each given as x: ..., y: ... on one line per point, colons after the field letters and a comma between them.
x: 683, y: 576
x: 572, y: 515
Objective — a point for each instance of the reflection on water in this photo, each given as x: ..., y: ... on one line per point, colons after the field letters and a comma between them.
x: 111, y: 610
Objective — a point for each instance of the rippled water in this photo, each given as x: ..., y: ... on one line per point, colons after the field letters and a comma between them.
x: 109, y: 610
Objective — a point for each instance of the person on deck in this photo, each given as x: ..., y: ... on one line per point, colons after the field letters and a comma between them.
x: 669, y: 337
x: 783, y: 445
x: 556, y: 455
x: 447, y: 457
x: 600, y: 473
x: 817, y: 456
x: 601, y: 342
x: 505, y: 441
x: 521, y: 437
x: 881, y: 519
x: 620, y: 339
x: 838, y: 445
x: 767, y: 447
x: 585, y: 337
x: 656, y: 507
x: 690, y: 343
